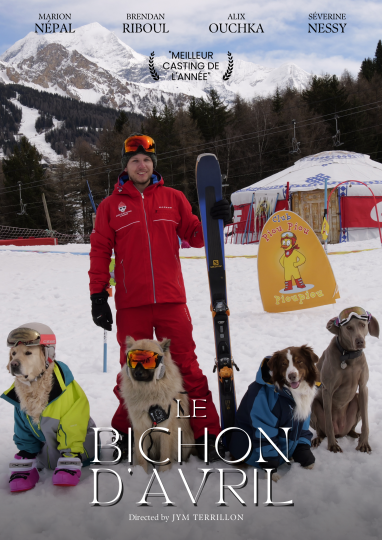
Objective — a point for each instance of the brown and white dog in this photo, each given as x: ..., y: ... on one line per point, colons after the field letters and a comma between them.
x: 280, y: 398
x: 295, y: 367
x: 156, y: 390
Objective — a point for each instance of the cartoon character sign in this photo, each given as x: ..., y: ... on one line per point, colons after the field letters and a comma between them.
x: 291, y: 260
x: 291, y: 254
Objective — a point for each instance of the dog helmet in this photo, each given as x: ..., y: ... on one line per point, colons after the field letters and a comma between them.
x: 32, y: 334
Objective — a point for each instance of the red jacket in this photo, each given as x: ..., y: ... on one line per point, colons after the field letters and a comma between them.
x: 143, y: 229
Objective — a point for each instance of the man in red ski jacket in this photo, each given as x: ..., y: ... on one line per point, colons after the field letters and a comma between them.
x: 142, y: 220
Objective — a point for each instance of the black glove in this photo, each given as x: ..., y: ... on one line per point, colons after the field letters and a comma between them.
x: 303, y: 455
x: 222, y: 210
x: 101, y: 311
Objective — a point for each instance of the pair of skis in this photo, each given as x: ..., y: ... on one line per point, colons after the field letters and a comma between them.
x: 209, y: 188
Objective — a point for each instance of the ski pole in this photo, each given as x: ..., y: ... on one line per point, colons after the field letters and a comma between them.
x: 105, y: 351
x: 110, y: 292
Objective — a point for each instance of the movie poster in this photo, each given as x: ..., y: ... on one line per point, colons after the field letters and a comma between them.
x: 174, y: 50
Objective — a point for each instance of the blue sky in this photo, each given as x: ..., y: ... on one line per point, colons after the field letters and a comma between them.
x: 285, y: 24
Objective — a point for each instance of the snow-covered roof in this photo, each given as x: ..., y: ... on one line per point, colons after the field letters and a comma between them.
x: 310, y: 172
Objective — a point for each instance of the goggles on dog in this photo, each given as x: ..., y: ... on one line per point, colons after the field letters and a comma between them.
x: 148, y: 359
x: 346, y: 314
x: 133, y: 143
x: 29, y: 337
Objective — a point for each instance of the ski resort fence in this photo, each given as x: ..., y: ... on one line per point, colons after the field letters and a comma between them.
x: 18, y: 236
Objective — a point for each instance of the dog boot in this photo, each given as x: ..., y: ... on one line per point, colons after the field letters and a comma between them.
x: 24, y: 474
x: 211, y: 451
x: 300, y: 284
x: 68, y: 471
x: 288, y: 285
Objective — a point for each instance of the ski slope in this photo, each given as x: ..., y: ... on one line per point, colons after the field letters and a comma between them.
x: 339, y: 499
x: 28, y: 129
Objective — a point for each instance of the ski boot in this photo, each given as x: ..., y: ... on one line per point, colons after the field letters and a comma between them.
x: 300, y: 284
x: 24, y: 474
x: 68, y: 472
x: 288, y: 285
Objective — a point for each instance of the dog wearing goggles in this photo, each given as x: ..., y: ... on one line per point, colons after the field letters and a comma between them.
x: 151, y: 384
x: 31, y: 361
x: 53, y: 428
x: 338, y: 407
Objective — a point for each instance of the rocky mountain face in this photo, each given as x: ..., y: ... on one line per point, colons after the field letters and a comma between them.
x: 93, y: 65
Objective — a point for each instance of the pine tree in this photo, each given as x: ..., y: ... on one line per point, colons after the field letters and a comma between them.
x: 193, y: 109
x: 277, y: 102
x: 220, y: 116
x: 43, y: 122
x: 24, y: 166
x: 161, y: 127
x: 326, y: 95
x: 121, y: 121
x: 167, y: 119
x: 83, y: 155
x: 211, y: 115
x: 154, y: 114
x: 378, y: 58
x: 64, y: 203
x: 367, y: 69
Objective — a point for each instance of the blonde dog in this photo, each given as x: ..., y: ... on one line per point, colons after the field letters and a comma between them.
x: 27, y: 364
x: 150, y: 396
x: 52, y: 428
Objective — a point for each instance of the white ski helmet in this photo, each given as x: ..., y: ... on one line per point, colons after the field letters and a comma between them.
x: 41, y: 335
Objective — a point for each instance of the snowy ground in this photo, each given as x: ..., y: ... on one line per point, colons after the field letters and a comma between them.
x: 339, y: 499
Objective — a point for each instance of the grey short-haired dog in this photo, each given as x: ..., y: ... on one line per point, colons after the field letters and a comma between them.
x: 338, y: 407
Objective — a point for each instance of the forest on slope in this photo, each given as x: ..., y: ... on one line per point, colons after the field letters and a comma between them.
x: 252, y: 139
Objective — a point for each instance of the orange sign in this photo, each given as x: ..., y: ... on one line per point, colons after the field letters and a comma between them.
x: 293, y: 268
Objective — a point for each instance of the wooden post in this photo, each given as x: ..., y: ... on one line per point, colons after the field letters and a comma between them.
x: 47, y: 215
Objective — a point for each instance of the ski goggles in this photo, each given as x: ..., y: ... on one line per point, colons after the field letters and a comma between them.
x: 358, y: 312
x: 133, y: 143
x: 148, y: 359
x: 29, y: 337
x: 288, y: 235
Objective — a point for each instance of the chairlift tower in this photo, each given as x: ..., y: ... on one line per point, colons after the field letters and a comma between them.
x: 295, y: 144
x: 23, y: 207
x: 336, y: 138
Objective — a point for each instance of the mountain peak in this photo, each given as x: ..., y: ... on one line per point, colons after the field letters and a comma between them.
x: 92, y: 40
x: 99, y: 67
